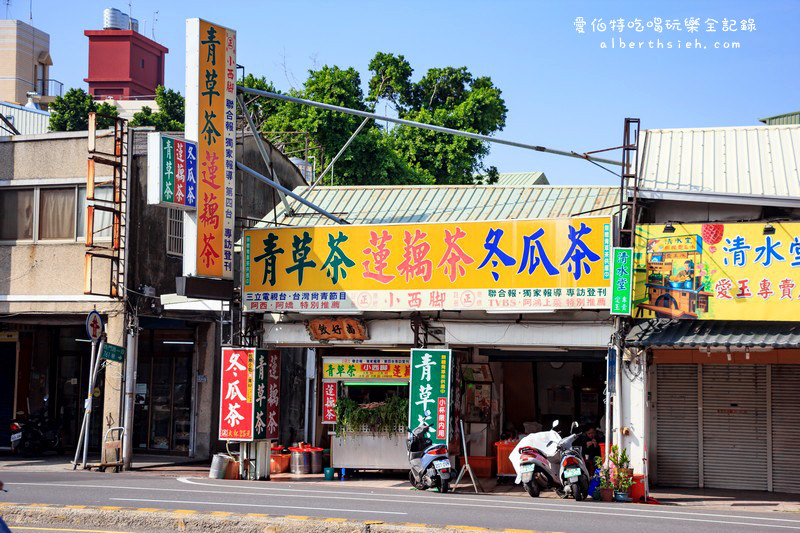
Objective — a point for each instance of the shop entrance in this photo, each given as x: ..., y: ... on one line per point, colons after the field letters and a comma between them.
x: 163, y: 401
x: 8, y: 373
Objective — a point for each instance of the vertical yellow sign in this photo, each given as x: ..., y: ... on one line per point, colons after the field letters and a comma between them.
x: 215, y: 128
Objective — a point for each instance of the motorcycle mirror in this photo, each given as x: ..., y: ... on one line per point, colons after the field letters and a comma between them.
x: 46, y: 398
x: 555, y: 423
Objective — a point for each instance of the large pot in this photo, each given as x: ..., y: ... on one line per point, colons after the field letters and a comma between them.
x: 606, y: 495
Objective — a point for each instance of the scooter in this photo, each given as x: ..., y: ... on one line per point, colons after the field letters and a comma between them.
x: 545, y: 461
x: 430, y: 466
x: 36, y: 434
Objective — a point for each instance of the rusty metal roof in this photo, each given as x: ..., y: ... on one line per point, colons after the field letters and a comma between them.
x: 760, y: 163
x: 447, y: 203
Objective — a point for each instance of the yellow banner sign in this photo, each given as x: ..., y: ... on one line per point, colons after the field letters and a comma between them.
x: 735, y: 271
x: 366, y: 368
x: 511, y: 265
x: 211, y: 121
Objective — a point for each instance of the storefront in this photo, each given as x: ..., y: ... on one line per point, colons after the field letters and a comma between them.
x: 526, y: 351
x: 724, y: 389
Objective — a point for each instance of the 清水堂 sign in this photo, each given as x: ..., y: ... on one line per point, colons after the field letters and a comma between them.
x: 717, y: 271
x: 510, y: 265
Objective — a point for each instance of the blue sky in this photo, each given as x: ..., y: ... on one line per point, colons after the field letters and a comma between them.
x: 562, y: 90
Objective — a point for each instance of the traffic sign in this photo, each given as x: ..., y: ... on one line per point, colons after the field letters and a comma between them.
x: 112, y: 352
x: 94, y: 326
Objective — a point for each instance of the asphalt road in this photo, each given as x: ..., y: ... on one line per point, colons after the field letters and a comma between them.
x: 339, y: 500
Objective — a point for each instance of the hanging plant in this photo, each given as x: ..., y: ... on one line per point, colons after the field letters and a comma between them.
x: 376, y: 417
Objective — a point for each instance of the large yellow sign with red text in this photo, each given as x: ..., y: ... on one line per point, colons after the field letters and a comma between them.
x: 211, y: 118
x: 509, y: 265
x: 718, y: 271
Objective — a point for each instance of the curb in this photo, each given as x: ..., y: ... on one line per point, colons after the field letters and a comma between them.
x: 130, y: 519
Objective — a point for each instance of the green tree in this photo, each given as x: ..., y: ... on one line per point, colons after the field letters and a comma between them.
x: 170, y: 114
x: 449, y: 97
x: 71, y: 112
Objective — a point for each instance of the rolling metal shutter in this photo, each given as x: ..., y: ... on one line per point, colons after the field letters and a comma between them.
x: 676, y: 425
x: 786, y: 428
x: 735, y: 427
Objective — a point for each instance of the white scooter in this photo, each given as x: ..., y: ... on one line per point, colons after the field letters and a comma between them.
x: 544, y: 460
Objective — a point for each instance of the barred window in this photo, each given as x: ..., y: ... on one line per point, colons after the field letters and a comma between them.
x: 174, y: 232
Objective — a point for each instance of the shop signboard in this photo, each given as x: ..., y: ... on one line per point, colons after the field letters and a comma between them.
x: 211, y: 122
x: 267, y: 384
x: 716, y: 271
x: 236, y: 414
x: 366, y: 368
x: 112, y: 352
x: 429, y: 392
x: 337, y: 329
x: 501, y: 266
x: 621, y: 285
x: 171, y: 171
x: 328, y: 402
x: 611, y: 371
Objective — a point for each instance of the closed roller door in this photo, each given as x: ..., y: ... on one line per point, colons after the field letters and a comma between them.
x: 676, y: 425
x: 735, y: 427
x: 786, y: 428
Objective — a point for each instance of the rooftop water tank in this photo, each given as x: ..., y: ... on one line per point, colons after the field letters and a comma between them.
x: 114, y: 19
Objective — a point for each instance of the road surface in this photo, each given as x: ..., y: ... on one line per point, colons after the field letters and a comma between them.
x: 343, y: 500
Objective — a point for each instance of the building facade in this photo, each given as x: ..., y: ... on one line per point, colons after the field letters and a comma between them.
x: 25, y: 64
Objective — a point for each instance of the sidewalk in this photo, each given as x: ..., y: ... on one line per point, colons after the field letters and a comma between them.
x: 738, y: 500
x: 160, y: 464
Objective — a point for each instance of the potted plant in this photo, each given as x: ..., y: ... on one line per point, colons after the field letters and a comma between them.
x: 622, y: 463
x: 606, y: 488
x: 622, y: 484
x: 376, y: 417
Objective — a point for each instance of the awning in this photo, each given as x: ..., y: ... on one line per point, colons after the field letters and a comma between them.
x: 710, y: 333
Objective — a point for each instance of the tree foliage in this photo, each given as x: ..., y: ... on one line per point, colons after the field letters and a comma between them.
x: 449, y: 97
x: 71, y: 112
x: 170, y: 114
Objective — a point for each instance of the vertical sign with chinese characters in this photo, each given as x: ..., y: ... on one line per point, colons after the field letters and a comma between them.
x: 328, y: 402
x: 236, y: 416
x: 429, y: 393
x: 171, y: 172
x: 273, y: 412
x: 211, y: 117
x: 621, y: 286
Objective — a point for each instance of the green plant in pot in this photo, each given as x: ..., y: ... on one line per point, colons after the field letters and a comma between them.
x: 376, y: 417
x: 606, y: 488
x: 622, y: 463
x: 622, y: 484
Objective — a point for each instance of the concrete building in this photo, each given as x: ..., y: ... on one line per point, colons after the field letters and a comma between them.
x: 43, y: 300
x: 124, y: 64
x: 25, y: 64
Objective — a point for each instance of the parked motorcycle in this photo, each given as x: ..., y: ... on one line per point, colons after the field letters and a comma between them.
x: 545, y: 461
x: 36, y: 434
x: 430, y: 466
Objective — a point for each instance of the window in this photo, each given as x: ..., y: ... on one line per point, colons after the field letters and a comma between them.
x: 57, y: 213
x: 103, y: 220
x: 16, y: 214
x: 174, y: 232
x: 41, y: 214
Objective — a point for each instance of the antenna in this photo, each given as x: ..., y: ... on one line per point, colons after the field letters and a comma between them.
x: 8, y: 7
x: 155, y: 19
x: 130, y: 12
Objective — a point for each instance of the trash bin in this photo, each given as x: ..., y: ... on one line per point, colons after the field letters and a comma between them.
x: 316, y: 460
x: 300, y: 461
x: 219, y: 464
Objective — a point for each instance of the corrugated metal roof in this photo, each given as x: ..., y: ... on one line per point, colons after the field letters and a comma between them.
x: 708, y: 333
x: 446, y: 203
x: 786, y: 118
x: 522, y: 178
x: 749, y: 161
x: 27, y: 121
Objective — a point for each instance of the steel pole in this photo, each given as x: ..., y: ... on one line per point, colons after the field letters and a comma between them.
x: 131, y: 362
x: 440, y: 129
x: 87, y: 415
x: 287, y: 192
x: 338, y: 155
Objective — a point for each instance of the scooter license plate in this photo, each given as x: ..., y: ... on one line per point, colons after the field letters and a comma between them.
x: 572, y: 472
x: 15, y: 437
x: 443, y: 463
x: 527, y: 468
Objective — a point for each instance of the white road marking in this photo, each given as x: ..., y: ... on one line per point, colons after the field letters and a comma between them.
x: 258, y: 505
x: 536, y: 504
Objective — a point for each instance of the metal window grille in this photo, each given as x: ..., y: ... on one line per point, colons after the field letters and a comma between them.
x: 174, y: 232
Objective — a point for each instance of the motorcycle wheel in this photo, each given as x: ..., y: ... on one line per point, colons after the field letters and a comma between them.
x: 444, y: 486
x: 418, y: 486
x: 561, y: 493
x: 577, y: 491
x: 531, y: 488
